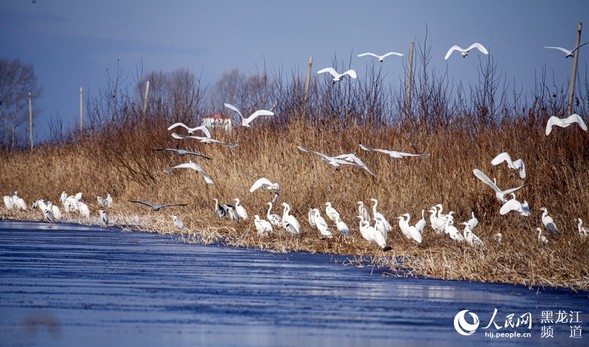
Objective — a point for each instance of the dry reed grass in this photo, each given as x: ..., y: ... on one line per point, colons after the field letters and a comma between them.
x: 120, y: 161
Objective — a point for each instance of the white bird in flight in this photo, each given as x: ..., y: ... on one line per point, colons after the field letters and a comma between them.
x: 203, y: 139
x: 464, y: 52
x: 337, y: 161
x: 379, y: 57
x: 541, y: 237
x: 246, y: 121
x: 182, y: 152
x: 566, y: 51
x: 393, y: 154
x: 565, y: 122
x: 193, y: 166
x: 500, y: 194
x: 264, y: 183
x: 517, y: 165
x: 154, y: 206
x: 337, y: 76
x: 202, y: 128
x: 515, y: 205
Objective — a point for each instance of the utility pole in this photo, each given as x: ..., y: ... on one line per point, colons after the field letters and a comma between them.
x: 81, y: 110
x: 145, y: 98
x: 31, y: 120
x: 574, y: 71
x: 409, y: 81
x: 308, y: 80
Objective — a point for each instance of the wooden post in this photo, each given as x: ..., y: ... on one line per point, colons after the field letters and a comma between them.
x: 409, y: 81
x: 145, y: 98
x: 574, y: 71
x: 81, y: 110
x: 31, y: 119
x: 308, y: 80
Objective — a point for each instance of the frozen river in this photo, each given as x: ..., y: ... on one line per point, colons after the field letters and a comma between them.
x: 72, y: 285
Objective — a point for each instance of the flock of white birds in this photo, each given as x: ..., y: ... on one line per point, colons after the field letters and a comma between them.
x: 373, y: 227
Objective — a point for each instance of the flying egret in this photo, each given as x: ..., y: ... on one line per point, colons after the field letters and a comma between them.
x: 203, y: 140
x: 193, y: 166
x: 393, y: 154
x: 363, y: 211
x: 154, y: 206
x: 246, y: 121
x: 566, y: 51
x: 289, y: 222
x: 337, y: 76
x: 177, y: 222
x: 379, y: 57
x: 583, y: 231
x: 273, y: 218
x: 565, y: 122
x: 331, y: 212
x: 263, y: 227
x: 182, y: 152
x: 470, y: 237
x: 103, y: 216
x: 517, y: 165
x: 239, y: 209
x: 541, y: 237
x: 353, y: 159
x: 320, y: 223
x: 202, y: 128
x: 337, y: 161
x: 464, y: 52
x: 500, y: 194
x: 473, y: 221
x: 514, y: 205
x: 549, y: 223
x: 264, y: 183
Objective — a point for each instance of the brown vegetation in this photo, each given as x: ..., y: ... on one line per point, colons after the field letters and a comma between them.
x: 116, y: 156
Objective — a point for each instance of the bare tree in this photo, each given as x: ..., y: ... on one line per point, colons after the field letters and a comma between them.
x: 17, y: 80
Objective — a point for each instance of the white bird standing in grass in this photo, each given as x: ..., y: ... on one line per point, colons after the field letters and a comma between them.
x: 264, y: 183
x: 246, y: 121
x: 549, y: 223
x: 83, y: 210
x: 452, y: 231
x: 19, y: 203
x: 202, y: 128
x: 178, y: 222
x: 331, y: 212
x: 566, y: 51
x: 393, y: 154
x: 470, y: 237
x: 263, y: 227
x: 48, y: 215
x: 541, y: 237
x: 379, y: 217
x: 420, y: 225
x: 472, y: 222
x: 583, y: 231
x: 337, y: 76
x: 8, y: 202
x: 342, y: 227
x: 103, y: 216
x: 273, y: 218
x: 565, y: 122
x: 464, y: 52
x: 193, y: 166
x: 363, y: 211
x: 370, y: 233
x: 514, y: 205
x: 436, y: 222
x: 320, y: 223
x: 517, y: 165
x: 239, y: 209
x: 104, y: 202
x: 203, y: 140
x: 500, y: 194
x: 379, y: 57
x: 289, y: 222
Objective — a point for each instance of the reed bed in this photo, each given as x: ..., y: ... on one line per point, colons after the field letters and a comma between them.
x: 120, y: 160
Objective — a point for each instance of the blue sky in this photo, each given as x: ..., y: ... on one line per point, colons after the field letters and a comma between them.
x: 72, y: 43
